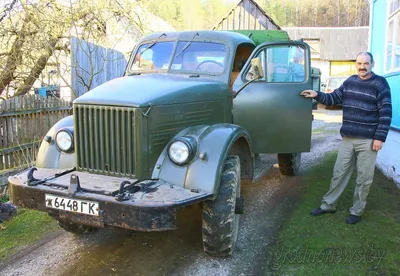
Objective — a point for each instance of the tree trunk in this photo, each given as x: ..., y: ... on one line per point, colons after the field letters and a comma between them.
x: 15, y: 56
x: 316, y: 9
x: 6, y: 8
x: 37, y: 69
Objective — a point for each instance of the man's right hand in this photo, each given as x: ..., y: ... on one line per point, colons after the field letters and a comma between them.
x: 309, y: 94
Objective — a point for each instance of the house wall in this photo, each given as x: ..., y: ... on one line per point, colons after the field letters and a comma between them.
x: 337, y: 46
x: 337, y: 68
x: 388, y: 160
x: 322, y: 65
x: 343, y: 68
x: 378, y: 34
x: 335, y: 43
x: 389, y: 157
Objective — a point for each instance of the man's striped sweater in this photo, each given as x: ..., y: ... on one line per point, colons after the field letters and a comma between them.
x: 367, y: 107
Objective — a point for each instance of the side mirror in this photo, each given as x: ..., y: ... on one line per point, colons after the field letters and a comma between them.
x: 323, y: 85
x: 256, y: 73
x: 257, y: 68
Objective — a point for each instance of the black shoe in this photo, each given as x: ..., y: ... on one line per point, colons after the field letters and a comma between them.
x: 7, y: 211
x: 352, y: 219
x: 319, y: 211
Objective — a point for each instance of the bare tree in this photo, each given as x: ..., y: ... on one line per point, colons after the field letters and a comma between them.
x: 37, y: 35
x: 6, y: 9
x: 28, y: 28
x: 14, y: 56
x: 316, y: 9
x: 37, y: 69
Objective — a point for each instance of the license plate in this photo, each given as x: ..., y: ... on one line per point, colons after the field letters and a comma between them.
x: 72, y: 205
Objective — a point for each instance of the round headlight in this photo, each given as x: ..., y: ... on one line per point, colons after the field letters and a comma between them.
x: 181, y: 150
x: 64, y: 140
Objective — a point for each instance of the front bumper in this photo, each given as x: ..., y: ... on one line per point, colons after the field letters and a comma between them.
x: 152, y: 208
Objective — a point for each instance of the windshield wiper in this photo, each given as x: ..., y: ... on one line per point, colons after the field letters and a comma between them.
x: 151, y: 45
x: 187, y: 45
x: 154, y: 43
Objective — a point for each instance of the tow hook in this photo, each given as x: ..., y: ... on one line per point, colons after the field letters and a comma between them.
x: 125, y: 189
x: 239, y: 206
x: 32, y: 181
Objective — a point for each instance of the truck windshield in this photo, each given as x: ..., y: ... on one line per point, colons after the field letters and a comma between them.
x: 192, y: 57
x: 199, y: 57
x: 152, y: 56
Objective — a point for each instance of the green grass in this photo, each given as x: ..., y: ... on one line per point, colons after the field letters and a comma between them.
x: 24, y: 229
x: 326, y: 245
x: 4, y: 198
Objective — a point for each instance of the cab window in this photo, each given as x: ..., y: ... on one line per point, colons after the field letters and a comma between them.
x: 282, y: 64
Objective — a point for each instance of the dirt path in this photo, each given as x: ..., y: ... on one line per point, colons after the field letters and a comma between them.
x: 180, y: 252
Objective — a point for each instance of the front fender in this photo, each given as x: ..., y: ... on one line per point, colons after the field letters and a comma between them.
x: 214, y: 143
x: 49, y: 156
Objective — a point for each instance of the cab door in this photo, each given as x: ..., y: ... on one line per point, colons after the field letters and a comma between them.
x: 271, y: 108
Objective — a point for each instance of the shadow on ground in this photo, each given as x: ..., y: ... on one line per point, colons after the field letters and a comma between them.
x: 180, y: 252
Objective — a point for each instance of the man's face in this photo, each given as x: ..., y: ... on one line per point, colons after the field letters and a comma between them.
x: 364, y: 66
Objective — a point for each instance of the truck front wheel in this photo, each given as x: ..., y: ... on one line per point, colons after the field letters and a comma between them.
x: 220, y: 222
x: 289, y: 163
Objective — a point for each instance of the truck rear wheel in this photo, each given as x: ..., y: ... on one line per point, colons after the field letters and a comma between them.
x: 220, y: 222
x: 289, y: 163
x: 75, y: 228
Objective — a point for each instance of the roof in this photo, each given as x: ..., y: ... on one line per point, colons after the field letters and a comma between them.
x: 342, y: 43
x: 226, y: 36
x: 246, y: 15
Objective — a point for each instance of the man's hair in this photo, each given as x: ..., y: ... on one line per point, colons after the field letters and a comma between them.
x: 366, y: 53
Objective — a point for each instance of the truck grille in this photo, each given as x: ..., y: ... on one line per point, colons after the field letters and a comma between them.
x: 104, y: 140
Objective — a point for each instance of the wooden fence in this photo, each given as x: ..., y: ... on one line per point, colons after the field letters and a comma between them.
x: 24, y: 121
x: 93, y: 62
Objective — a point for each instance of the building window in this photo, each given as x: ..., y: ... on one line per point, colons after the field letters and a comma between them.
x: 392, y: 60
x: 394, y: 5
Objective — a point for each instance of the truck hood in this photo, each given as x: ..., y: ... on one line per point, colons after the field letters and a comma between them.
x: 155, y: 89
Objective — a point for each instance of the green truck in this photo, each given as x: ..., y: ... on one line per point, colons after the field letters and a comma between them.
x: 183, y: 126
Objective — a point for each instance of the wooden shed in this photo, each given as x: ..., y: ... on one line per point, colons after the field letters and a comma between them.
x: 246, y: 15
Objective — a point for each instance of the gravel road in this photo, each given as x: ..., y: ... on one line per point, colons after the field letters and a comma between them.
x: 179, y: 252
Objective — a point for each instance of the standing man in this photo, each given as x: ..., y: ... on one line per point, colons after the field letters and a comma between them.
x: 367, y: 114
